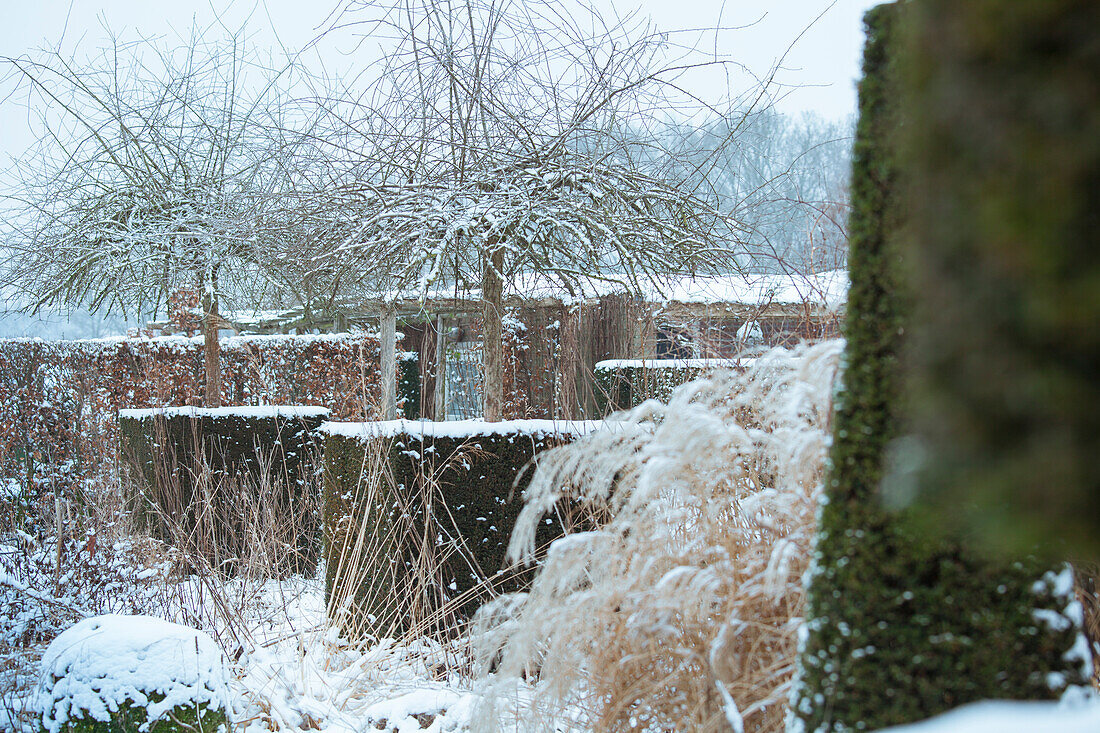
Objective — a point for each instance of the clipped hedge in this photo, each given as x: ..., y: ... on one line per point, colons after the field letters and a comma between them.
x: 902, y: 625
x: 448, y: 500
x: 59, y: 400
x: 625, y: 383
x: 265, y: 454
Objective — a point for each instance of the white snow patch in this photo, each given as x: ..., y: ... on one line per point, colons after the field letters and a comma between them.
x: 449, y: 708
x: 612, y: 364
x: 1013, y: 717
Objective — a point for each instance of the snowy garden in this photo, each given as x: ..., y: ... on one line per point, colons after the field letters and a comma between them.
x: 487, y: 399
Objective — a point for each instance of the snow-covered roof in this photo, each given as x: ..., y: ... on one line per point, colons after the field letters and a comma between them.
x: 827, y: 289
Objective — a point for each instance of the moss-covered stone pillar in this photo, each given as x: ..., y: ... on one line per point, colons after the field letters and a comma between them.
x: 902, y: 625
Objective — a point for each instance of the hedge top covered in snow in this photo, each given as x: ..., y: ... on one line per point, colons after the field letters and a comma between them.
x: 99, y: 664
x: 457, y: 428
x: 253, y: 411
x: 613, y: 364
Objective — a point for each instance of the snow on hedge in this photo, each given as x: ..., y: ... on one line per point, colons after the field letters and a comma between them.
x: 261, y: 411
x: 101, y: 663
x: 180, y: 341
x: 457, y: 428
x: 613, y: 364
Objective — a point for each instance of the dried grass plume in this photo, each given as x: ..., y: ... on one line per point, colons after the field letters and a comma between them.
x: 681, y: 611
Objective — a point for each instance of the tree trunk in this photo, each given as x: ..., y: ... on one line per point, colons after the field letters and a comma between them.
x: 439, y: 398
x: 388, y: 322
x: 211, y: 351
x: 492, y: 347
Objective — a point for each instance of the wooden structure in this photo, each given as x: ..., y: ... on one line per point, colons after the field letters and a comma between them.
x: 708, y: 317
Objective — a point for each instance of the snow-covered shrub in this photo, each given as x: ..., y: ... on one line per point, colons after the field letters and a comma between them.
x: 120, y: 674
x: 681, y: 611
x: 418, y: 516
x: 49, y: 583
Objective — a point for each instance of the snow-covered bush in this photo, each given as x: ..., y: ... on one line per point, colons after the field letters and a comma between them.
x: 116, y: 674
x: 681, y: 612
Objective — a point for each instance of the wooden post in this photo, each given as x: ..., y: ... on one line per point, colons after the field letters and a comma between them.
x: 440, y: 371
x: 388, y: 322
x: 644, y: 336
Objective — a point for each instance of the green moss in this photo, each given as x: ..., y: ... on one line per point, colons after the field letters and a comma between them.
x: 445, y: 503
x: 130, y: 717
x: 903, y: 624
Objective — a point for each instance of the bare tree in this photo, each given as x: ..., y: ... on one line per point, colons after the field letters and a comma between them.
x: 149, y: 175
x: 787, y: 179
x: 503, y: 139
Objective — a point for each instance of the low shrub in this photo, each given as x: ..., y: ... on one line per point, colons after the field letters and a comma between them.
x: 625, y: 383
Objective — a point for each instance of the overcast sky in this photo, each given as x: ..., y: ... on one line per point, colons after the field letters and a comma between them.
x: 819, y: 71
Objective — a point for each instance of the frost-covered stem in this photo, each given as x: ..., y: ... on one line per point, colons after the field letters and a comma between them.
x: 492, y: 311
x: 388, y: 322
x: 211, y: 350
x: 60, y: 529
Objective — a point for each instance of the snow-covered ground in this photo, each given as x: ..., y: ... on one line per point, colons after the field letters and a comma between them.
x: 296, y: 675
x: 287, y: 670
x: 1076, y: 715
